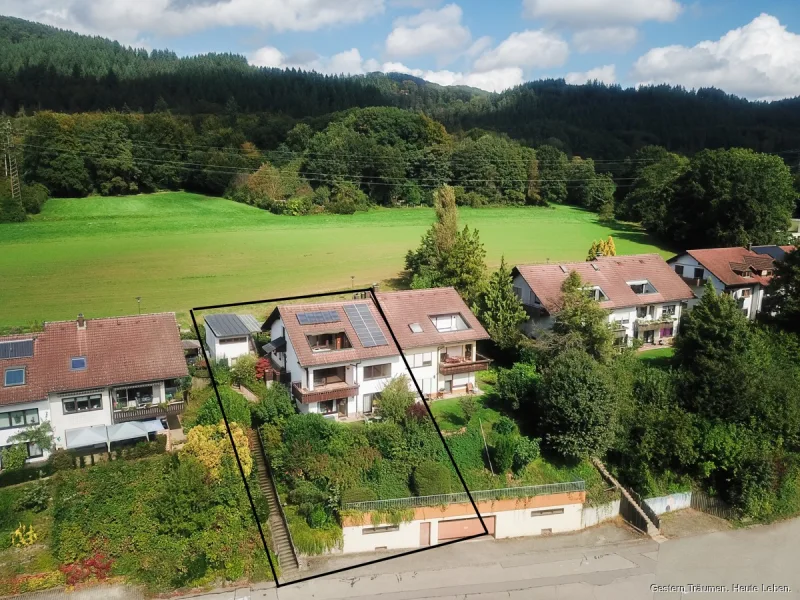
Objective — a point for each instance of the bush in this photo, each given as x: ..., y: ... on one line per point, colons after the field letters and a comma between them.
x: 29, y: 473
x: 394, y: 401
x: 504, y: 426
x: 432, y: 478
x: 318, y: 518
x: 274, y: 405
x: 517, y: 385
x: 469, y: 406
x: 467, y: 449
x: 358, y: 494
x: 389, y: 479
x: 525, y: 452
x: 14, y: 457
x: 33, y: 497
x: 237, y: 409
x: 504, y: 449
x: 221, y: 371
x: 243, y: 372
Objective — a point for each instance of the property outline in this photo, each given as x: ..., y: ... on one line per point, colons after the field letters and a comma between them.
x: 418, y: 388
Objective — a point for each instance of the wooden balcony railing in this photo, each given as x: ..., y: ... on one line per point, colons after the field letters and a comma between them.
x: 334, y: 391
x: 148, y: 412
x: 464, y: 366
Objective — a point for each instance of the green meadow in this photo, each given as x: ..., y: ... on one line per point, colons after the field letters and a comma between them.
x: 177, y: 250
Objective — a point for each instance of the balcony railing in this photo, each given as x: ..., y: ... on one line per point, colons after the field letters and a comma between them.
x: 693, y: 281
x: 334, y: 391
x: 460, y: 365
x: 157, y: 411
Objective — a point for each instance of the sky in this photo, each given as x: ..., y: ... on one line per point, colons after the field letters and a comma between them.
x: 747, y: 48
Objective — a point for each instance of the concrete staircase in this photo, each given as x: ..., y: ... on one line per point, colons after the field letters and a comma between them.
x: 281, y: 541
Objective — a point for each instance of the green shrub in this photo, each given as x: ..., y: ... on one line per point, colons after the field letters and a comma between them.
x: 318, y: 518
x: 525, y: 452
x: 432, y: 478
x: 504, y: 449
x: 389, y: 479
x: 237, y: 409
x: 14, y: 457
x: 504, y: 426
x: 358, y: 494
x: 34, y: 497
x: 469, y: 406
x: 467, y: 449
x: 306, y: 492
x: 222, y: 372
x: 243, y: 372
x: 312, y: 541
x: 394, y: 400
x: 274, y: 405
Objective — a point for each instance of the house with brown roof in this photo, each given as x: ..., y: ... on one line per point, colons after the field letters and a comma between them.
x: 338, y: 356
x: 97, y: 381
x: 738, y: 272
x: 644, y: 296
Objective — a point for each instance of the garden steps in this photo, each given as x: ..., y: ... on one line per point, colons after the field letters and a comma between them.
x: 281, y: 540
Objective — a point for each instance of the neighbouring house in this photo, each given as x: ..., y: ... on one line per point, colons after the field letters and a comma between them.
x: 644, y: 296
x: 98, y: 382
x: 738, y: 272
x: 338, y: 356
x: 229, y: 336
x: 776, y: 252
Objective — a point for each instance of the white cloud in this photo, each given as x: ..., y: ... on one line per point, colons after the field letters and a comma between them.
x: 429, y: 32
x: 348, y: 62
x: 526, y: 48
x: 479, y: 46
x: 597, y: 13
x: 268, y: 56
x: 127, y: 21
x: 606, y: 74
x: 605, y: 38
x: 760, y: 60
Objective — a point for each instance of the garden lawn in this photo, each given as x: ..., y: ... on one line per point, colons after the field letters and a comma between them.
x: 660, y: 357
x: 450, y: 417
x: 27, y: 561
x: 177, y: 250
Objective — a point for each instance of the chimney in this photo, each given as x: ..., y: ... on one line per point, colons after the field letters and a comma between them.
x: 375, y: 287
x: 750, y: 246
x: 81, y: 321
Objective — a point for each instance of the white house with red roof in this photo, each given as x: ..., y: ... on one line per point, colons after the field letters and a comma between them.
x: 738, y: 272
x: 338, y: 356
x: 644, y: 296
x: 97, y: 381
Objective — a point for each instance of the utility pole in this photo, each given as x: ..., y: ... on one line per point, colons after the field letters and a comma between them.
x: 10, y: 164
x: 139, y: 303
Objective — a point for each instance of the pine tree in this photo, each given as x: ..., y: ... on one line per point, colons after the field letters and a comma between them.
x: 533, y: 193
x: 500, y: 310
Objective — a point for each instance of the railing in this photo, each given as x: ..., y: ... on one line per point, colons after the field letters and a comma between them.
x: 462, y: 497
x: 712, y: 505
x: 336, y: 393
x: 465, y: 366
x: 157, y: 411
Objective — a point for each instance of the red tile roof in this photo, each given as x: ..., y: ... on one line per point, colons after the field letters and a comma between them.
x: 721, y: 262
x: 611, y: 274
x: 118, y: 351
x: 297, y: 333
x: 418, y: 306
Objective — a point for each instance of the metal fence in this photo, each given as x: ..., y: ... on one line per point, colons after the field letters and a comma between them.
x: 461, y: 497
x: 712, y: 505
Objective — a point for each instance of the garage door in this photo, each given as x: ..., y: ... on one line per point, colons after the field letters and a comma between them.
x: 459, y: 528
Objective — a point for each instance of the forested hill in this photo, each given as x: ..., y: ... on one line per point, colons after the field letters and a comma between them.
x: 46, y: 68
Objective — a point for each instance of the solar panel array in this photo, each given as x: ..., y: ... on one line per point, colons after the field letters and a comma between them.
x: 317, y: 317
x: 16, y: 349
x: 364, y: 323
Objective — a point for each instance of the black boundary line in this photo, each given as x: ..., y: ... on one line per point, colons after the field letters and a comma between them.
x: 371, y: 291
x: 233, y: 445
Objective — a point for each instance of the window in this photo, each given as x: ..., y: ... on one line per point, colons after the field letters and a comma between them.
x: 424, y: 359
x: 427, y: 359
x: 19, y: 418
x: 82, y: 403
x: 679, y: 270
x: 34, y: 451
x: 746, y: 293
x: 596, y: 293
x: 327, y: 407
x: 325, y: 342
x: 547, y: 511
x: 369, y: 402
x: 77, y: 363
x: 233, y: 340
x: 377, y: 371
x: 699, y: 272
x: 453, y: 322
x: 666, y: 332
x: 518, y: 292
x: 171, y: 387
x: 329, y: 376
x: 641, y: 312
x: 642, y: 287
x: 14, y: 376
x: 138, y: 396
x: 415, y: 327
x: 381, y: 529
x: 668, y: 310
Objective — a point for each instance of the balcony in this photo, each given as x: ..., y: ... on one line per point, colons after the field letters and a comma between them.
x: 534, y: 312
x: 693, y: 281
x: 158, y: 411
x: 453, y: 365
x: 650, y: 324
x: 332, y: 391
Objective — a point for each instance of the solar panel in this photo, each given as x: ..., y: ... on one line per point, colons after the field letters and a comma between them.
x: 16, y: 349
x: 317, y: 317
x: 364, y: 323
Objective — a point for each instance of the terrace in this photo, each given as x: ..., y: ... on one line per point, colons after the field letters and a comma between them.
x: 453, y: 365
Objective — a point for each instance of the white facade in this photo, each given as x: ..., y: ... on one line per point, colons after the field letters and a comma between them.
x: 26, y: 409
x: 748, y: 297
x: 521, y: 522
x: 424, y: 363
x: 652, y: 323
x: 62, y: 421
x: 226, y: 348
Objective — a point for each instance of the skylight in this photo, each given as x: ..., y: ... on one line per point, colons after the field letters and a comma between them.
x: 77, y: 363
x: 415, y: 327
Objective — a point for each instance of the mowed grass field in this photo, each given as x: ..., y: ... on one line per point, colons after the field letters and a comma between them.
x: 177, y: 250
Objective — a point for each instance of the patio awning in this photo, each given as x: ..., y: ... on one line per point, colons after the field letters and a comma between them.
x: 152, y: 426
x: 83, y: 437
x: 276, y: 345
x: 126, y: 431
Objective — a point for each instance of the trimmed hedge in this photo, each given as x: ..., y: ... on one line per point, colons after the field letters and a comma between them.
x: 29, y: 473
x: 432, y: 478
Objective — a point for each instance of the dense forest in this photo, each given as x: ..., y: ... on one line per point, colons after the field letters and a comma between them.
x: 45, y: 68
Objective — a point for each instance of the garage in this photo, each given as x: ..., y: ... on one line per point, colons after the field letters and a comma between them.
x: 460, y: 528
